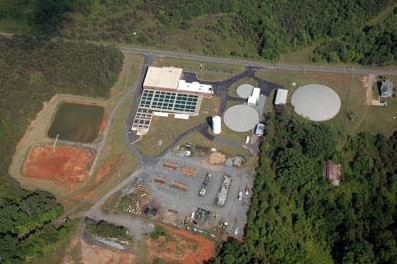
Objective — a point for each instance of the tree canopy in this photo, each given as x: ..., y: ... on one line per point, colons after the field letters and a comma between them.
x: 274, y: 27
x: 297, y: 216
x: 33, y: 70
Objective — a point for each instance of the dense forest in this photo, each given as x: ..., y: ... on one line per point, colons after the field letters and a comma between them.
x: 376, y: 44
x: 299, y: 217
x: 33, y: 70
x: 273, y: 27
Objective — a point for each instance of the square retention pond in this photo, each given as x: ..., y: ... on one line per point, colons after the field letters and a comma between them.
x: 76, y: 122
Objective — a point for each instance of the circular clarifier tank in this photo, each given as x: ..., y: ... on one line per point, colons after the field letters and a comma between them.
x: 316, y: 102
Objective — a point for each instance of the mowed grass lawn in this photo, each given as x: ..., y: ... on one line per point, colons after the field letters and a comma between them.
x: 208, y: 71
x: 197, y: 139
x: 382, y: 120
x: 164, y: 130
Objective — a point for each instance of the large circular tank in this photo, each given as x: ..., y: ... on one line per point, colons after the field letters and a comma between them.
x: 316, y: 102
x: 241, y: 118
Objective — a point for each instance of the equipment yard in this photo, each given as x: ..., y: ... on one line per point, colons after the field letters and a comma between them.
x: 187, y: 192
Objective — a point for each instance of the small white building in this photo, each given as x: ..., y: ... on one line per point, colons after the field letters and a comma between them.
x: 216, y: 125
x: 253, y: 99
x: 195, y: 87
x: 281, y: 97
x: 386, y: 89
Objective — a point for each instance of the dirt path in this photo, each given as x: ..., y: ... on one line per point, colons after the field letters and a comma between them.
x: 105, y: 134
x: 368, y: 83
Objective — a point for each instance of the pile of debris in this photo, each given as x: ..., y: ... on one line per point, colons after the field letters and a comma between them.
x: 217, y: 158
x: 134, y: 199
x: 185, y: 150
x: 236, y: 161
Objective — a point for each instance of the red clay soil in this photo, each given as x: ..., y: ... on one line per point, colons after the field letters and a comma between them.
x: 108, y: 168
x: 185, y: 247
x: 105, y: 171
x: 62, y: 163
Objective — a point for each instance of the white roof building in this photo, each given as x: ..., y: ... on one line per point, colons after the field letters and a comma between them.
x: 253, y: 99
x: 195, y: 87
x: 281, y: 97
x: 386, y: 89
x: 162, y: 78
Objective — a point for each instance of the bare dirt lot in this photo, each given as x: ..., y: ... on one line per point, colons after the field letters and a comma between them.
x: 81, y: 252
x: 62, y: 163
x: 180, y: 246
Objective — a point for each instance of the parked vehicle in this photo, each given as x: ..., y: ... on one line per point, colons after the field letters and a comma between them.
x: 260, y: 129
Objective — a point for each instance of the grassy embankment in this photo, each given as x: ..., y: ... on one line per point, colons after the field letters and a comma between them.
x: 208, y: 71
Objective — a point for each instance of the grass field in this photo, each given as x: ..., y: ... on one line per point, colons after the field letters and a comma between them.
x: 198, y: 139
x: 208, y: 71
x: 379, y: 119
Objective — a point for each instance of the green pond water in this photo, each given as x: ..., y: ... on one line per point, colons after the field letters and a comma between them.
x: 76, y: 122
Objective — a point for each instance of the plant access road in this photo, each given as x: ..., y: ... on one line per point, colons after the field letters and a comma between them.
x: 361, y: 70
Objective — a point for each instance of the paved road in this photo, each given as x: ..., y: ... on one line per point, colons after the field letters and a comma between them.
x: 263, y: 65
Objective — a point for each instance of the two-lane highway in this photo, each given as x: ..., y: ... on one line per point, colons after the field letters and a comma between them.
x: 361, y: 70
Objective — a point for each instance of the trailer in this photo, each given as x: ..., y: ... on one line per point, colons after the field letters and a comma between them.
x: 222, y: 194
x: 204, y: 187
x: 170, y: 165
x: 188, y: 171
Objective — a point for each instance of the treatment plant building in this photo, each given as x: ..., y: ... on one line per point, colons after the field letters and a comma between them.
x: 164, y: 93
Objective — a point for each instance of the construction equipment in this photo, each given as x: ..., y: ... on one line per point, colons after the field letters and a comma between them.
x: 170, y: 165
x: 238, y: 161
x: 201, y: 215
x: 203, y: 189
x: 222, y: 194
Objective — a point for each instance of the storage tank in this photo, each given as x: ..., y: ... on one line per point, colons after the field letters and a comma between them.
x: 216, y: 125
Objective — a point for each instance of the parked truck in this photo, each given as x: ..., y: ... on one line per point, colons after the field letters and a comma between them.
x: 206, y: 182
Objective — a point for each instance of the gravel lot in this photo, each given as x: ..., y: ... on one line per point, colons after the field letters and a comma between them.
x: 186, y: 202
